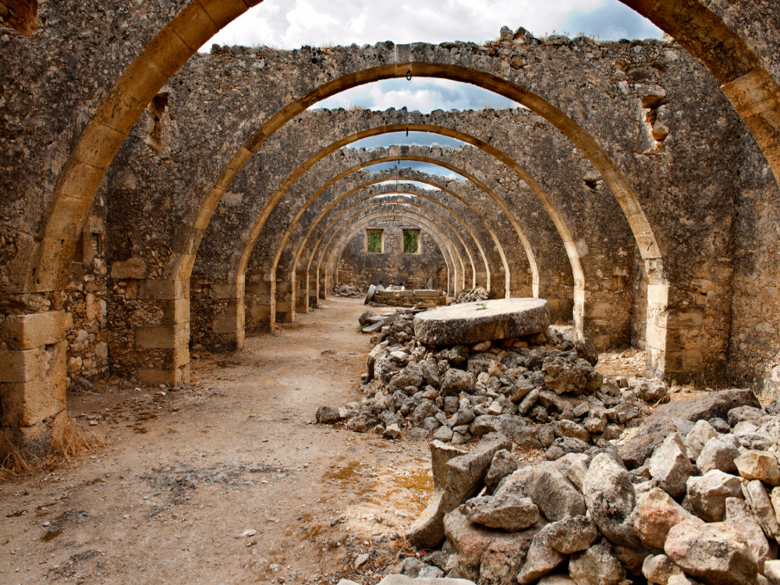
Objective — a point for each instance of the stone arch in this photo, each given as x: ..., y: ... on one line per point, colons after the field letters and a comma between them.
x: 405, y: 190
x: 389, y: 176
x: 754, y: 94
x: 402, y: 190
x: 750, y: 88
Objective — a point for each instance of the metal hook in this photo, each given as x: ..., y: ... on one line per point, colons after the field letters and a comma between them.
x: 409, y: 75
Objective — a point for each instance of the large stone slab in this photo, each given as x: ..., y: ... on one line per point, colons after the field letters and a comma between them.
x: 470, y: 323
x: 666, y: 417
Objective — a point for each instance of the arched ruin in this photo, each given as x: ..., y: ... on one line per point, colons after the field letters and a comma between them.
x: 154, y: 198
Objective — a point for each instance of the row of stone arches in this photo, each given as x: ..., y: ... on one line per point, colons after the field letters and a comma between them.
x: 511, y: 67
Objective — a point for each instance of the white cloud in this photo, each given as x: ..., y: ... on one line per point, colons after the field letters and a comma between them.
x: 292, y: 23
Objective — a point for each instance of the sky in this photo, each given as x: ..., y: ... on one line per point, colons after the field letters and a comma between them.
x: 290, y: 24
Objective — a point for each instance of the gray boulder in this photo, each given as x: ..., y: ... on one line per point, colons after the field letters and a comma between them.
x: 611, y: 498
x: 456, y: 478
x: 572, y: 534
x: 506, y: 511
x: 555, y: 495
x: 759, y: 502
x: 564, y: 376
x: 659, y: 568
x: 707, y: 494
x: 503, y: 464
x: 327, y: 415
x: 472, y: 542
x: 695, y: 440
x: 662, y: 422
x: 719, y: 453
x: 596, y: 566
x: 541, y: 558
x: 741, y: 518
x: 456, y: 381
x: 715, y: 553
x: 670, y: 466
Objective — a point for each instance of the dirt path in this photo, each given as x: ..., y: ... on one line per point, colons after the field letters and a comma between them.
x: 226, y: 481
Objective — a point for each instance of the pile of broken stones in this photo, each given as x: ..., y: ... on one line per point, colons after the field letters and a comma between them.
x: 347, y: 291
x: 471, y: 295
x: 687, y: 496
x: 691, y: 498
x: 541, y: 390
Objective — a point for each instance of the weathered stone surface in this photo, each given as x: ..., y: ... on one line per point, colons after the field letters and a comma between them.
x: 541, y: 558
x: 456, y: 381
x: 715, y: 553
x: 456, y: 479
x: 596, y: 566
x: 662, y: 422
x: 759, y: 502
x: 758, y: 465
x: 611, y: 498
x: 659, y: 568
x: 472, y: 541
x: 564, y: 446
x: 416, y: 569
x: 502, y: 561
x: 572, y: 534
x: 772, y: 572
x: 655, y: 515
x: 564, y: 376
x: 751, y: 413
x: 327, y: 415
x: 719, y: 453
x: 506, y: 511
x: 707, y: 494
x: 468, y: 323
x: 695, y: 440
x: 569, y: 428
x: 670, y: 465
x: 555, y: 495
x: 503, y: 464
x: 741, y: 518
x: 404, y: 580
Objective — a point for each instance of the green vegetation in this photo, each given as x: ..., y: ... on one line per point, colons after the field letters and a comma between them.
x: 374, y: 241
x: 411, y: 241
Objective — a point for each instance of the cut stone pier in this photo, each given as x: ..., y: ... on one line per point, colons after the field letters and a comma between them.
x: 482, y: 321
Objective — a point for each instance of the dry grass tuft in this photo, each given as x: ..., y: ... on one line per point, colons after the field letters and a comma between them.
x: 77, y: 442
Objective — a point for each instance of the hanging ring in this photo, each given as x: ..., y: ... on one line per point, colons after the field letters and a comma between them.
x: 409, y: 75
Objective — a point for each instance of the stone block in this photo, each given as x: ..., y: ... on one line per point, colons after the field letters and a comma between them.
x: 28, y: 403
x: 164, y: 289
x: 170, y: 337
x: 22, y: 366
x: 132, y: 268
x: 22, y: 332
x: 468, y: 323
x: 227, y: 324
x: 35, y: 439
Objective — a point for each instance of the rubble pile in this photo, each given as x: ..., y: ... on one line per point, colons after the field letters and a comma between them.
x: 542, y: 391
x: 701, y: 508
x: 348, y: 291
x: 471, y: 295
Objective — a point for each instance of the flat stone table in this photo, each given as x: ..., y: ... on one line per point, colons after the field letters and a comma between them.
x: 482, y: 321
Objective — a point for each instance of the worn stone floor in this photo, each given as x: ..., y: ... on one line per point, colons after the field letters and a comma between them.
x: 227, y: 480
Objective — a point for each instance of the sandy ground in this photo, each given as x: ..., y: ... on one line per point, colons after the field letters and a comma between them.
x: 227, y: 480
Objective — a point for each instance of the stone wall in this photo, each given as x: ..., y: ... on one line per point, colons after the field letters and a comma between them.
x: 358, y: 267
x: 648, y: 155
